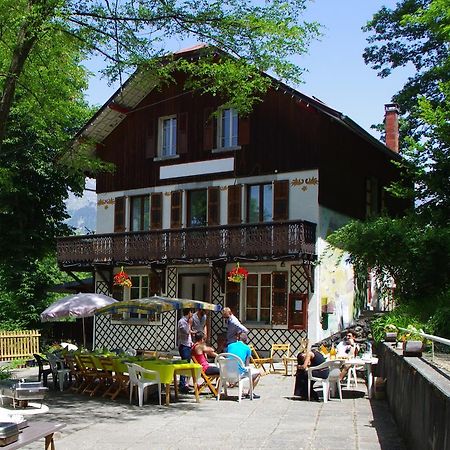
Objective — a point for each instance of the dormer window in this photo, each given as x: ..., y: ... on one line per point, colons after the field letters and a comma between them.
x: 167, y: 142
x: 227, y: 133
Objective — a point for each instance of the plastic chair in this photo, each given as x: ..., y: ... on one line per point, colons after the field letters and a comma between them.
x: 68, y: 346
x: 231, y: 372
x: 59, y: 371
x: 43, y: 372
x: 351, y: 377
x: 142, y: 378
x: 329, y: 383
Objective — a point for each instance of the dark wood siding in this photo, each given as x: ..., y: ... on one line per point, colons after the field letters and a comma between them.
x: 286, y: 134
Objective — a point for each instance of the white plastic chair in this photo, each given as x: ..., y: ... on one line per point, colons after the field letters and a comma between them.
x: 59, y: 371
x: 142, y: 378
x: 329, y: 383
x: 230, y: 372
x: 351, y: 377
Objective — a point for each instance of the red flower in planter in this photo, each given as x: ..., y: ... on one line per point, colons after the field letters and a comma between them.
x: 122, y: 279
x: 238, y: 274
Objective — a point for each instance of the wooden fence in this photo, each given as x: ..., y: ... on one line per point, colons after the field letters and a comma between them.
x: 18, y: 344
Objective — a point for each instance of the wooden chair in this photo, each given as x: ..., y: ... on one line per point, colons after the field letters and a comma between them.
x: 209, y: 381
x: 278, y: 353
x: 292, y: 360
x: 74, y: 374
x: 90, y: 375
x: 259, y: 362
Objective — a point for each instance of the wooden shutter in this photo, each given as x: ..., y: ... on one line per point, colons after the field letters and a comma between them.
x: 156, y: 211
x: 175, y: 210
x: 208, y: 129
x: 298, y: 311
x: 281, y: 200
x: 244, y: 131
x: 151, y: 139
x: 279, y: 298
x: 234, y: 204
x: 182, y: 133
x: 213, y: 206
x: 119, y: 215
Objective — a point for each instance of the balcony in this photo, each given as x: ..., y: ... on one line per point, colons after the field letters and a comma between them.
x: 274, y: 240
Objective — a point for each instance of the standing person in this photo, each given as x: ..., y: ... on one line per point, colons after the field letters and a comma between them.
x: 234, y: 329
x: 199, y: 322
x: 242, y: 349
x: 311, y: 358
x: 185, y: 343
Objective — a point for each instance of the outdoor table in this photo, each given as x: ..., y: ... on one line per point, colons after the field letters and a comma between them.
x: 168, y: 371
x: 35, y: 431
x: 367, y: 363
x: 166, y: 368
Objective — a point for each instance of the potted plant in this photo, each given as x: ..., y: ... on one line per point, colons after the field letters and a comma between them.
x: 390, y: 333
x: 412, y: 341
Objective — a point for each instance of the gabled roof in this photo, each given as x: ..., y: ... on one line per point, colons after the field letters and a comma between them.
x: 141, y: 83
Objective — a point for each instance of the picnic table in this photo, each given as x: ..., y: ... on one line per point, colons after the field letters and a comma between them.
x: 35, y: 431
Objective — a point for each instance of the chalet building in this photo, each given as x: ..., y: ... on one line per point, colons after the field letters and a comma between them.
x: 197, y: 189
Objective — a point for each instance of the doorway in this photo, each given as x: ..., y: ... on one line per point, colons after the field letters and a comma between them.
x: 194, y: 287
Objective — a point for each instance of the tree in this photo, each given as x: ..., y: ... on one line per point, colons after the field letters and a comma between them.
x: 413, y: 250
x: 133, y: 33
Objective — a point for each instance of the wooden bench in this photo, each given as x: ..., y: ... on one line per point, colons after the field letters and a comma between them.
x: 35, y: 431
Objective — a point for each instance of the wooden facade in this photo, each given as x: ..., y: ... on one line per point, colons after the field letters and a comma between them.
x: 295, y: 169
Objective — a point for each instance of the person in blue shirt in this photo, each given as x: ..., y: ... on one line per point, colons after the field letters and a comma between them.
x: 241, y: 349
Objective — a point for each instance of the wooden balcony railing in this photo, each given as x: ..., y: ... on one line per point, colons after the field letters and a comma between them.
x: 258, y: 241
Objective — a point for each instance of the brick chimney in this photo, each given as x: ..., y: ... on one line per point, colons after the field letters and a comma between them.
x: 391, y: 111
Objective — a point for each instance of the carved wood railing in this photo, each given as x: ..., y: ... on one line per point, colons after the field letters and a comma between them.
x: 258, y: 241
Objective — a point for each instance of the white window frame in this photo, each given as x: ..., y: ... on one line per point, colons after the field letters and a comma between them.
x: 258, y: 308
x: 233, y: 131
x: 172, y: 147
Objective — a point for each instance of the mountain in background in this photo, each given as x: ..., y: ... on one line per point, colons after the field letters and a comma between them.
x: 83, y: 210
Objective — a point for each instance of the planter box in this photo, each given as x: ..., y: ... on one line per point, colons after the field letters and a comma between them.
x: 412, y: 348
x: 390, y: 336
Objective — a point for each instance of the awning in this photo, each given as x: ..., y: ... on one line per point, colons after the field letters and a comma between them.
x: 156, y: 304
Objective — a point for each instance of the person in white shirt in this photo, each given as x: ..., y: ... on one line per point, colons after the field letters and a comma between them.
x: 185, y: 343
x: 199, y: 322
x: 347, y: 348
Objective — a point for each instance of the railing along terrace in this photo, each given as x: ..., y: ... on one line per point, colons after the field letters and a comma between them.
x: 267, y: 240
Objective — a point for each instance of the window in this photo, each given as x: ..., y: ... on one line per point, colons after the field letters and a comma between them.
x: 197, y: 201
x: 260, y: 203
x: 167, y: 143
x: 258, y: 297
x: 227, y: 135
x: 140, y: 217
x: 142, y: 286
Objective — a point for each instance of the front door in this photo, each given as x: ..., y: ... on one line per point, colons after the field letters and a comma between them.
x: 194, y: 287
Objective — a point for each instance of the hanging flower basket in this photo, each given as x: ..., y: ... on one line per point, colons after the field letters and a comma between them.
x: 122, y: 279
x: 238, y: 274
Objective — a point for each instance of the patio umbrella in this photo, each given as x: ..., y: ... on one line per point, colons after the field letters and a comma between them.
x: 77, y: 306
x: 155, y: 304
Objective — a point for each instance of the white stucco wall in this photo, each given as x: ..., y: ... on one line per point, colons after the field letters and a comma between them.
x: 334, y: 278
x: 303, y: 198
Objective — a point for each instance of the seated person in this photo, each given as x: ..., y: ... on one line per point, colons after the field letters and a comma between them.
x: 241, y: 349
x: 310, y: 358
x: 200, y: 351
x: 348, y: 347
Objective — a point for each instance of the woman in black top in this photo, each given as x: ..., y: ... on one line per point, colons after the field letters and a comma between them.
x: 311, y: 358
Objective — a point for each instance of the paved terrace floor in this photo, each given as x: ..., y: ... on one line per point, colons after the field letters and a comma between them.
x: 273, y: 421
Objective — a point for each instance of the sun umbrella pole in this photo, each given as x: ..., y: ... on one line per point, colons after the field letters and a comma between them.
x: 84, y: 333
